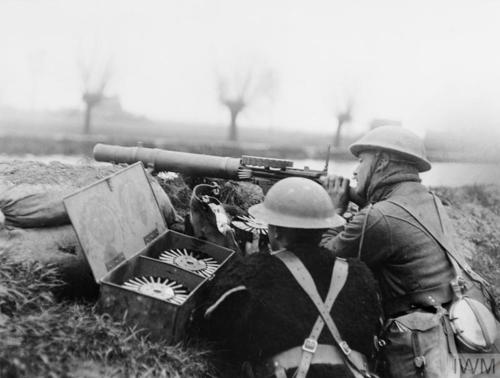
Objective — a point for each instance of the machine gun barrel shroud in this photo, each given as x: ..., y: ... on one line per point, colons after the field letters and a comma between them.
x: 164, y: 160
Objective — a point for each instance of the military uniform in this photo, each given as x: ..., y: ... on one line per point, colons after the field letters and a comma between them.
x: 412, y: 269
x: 267, y: 312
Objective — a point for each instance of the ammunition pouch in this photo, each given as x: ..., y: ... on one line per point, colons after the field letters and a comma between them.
x: 416, y: 344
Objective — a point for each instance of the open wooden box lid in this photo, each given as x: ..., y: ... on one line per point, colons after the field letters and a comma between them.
x: 115, y: 218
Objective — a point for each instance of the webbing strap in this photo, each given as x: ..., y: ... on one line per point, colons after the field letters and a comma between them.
x: 363, y: 230
x: 339, y: 277
x: 289, y: 359
x: 450, y: 336
x: 452, y: 256
x: 455, y: 260
x: 353, y: 360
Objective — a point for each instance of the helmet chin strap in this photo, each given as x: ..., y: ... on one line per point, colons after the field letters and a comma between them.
x: 398, y: 159
x: 369, y: 178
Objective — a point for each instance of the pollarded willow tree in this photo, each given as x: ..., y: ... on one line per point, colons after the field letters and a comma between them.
x: 95, y: 78
x: 343, y: 116
x: 242, y: 89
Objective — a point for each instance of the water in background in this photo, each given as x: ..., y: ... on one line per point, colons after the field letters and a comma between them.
x: 445, y: 174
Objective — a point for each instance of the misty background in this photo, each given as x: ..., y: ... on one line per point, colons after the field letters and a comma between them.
x: 276, y: 73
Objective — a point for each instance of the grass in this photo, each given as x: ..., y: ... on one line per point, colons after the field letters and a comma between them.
x: 475, y: 213
x: 45, y: 337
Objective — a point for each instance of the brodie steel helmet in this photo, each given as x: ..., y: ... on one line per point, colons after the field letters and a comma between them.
x: 394, y: 139
x: 297, y: 202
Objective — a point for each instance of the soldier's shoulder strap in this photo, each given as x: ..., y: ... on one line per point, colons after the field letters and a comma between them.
x: 458, y: 263
x: 354, y: 360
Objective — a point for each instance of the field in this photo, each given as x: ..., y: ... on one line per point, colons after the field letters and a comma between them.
x: 46, y: 132
x: 45, y: 335
x: 61, y: 134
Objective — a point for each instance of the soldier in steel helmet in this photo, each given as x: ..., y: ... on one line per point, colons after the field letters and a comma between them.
x: 411, y: 267
x: 268, y: 319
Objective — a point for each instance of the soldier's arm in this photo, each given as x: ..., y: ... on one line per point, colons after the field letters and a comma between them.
x: 368, y: 225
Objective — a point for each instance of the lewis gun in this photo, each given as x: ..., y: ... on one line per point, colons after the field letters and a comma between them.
x: 259, y: 170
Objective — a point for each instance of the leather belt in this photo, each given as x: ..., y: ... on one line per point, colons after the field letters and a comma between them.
x: 427, y: 298
x: 290, y: 359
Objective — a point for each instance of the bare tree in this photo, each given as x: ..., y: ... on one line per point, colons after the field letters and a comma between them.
x: 241, y: 90
x: 343, y: 116
x: 94, y: 84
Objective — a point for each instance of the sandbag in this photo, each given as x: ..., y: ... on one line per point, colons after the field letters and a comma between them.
x: 29, y: 206
x: 43, y: 243
x: 49, y: 244
x: 54, y: 246
x: 35, y: 206
x: 173, y: 220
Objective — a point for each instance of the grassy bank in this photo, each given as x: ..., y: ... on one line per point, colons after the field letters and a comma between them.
x: 475, y: 213
x: 45, y: 336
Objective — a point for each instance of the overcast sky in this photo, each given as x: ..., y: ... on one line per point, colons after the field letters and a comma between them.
x: 430, y: 64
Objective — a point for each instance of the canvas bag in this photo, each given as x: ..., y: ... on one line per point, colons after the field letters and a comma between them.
x: 416, y: 345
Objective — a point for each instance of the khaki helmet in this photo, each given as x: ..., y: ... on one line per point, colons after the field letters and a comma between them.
x: 297, y: 202
x: 394, y: 139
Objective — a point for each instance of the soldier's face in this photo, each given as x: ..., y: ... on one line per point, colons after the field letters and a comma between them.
x: 362, y: 172
x: 273, y: 238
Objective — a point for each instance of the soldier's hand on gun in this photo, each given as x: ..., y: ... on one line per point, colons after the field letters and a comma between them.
x: 338, y: 189
x: 253, y: 246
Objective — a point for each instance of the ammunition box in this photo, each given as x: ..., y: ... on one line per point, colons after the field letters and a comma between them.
x: 123, y: 235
